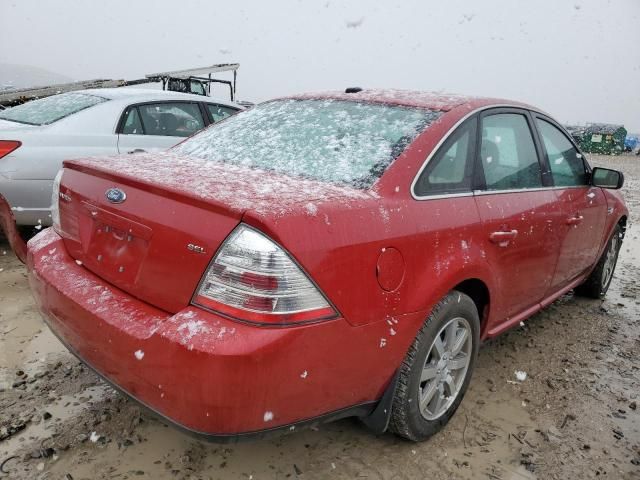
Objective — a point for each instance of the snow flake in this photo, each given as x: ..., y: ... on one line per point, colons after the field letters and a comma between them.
x: 94, y: 437
x: 383, y: 342
x: 521, y: 376
x: 392, y: 332
x: 139, y: 354
x: 304, y: 374
x: 355, y: 23
x: 268, y: 416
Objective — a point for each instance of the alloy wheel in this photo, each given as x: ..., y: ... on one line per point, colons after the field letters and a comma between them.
x: 610, y: 261
x: 445, y: 368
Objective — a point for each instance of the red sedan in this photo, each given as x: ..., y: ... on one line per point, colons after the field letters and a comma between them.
x: 323, y: 256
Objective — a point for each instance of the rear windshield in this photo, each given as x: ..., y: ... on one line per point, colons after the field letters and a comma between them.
x: 329, y: 140
x: 50, y: 109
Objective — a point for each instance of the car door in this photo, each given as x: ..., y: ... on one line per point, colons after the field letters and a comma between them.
x: 519, y: 211
x: 157, y: 126
x: 584, y: 207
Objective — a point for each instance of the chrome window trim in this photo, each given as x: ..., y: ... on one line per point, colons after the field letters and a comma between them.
x: 480, y: 193
x: 444, y: 139
x: 521, y: 190
x: 439, y: 196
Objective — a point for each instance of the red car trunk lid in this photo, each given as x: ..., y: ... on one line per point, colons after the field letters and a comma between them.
x: 154, y: 245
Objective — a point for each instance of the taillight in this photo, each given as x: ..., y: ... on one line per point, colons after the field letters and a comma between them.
x: 8, y: 146
x: 253, y: 279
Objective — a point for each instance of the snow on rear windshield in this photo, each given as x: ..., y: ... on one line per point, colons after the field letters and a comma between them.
x: 329, y: 140
x: 50, y: 109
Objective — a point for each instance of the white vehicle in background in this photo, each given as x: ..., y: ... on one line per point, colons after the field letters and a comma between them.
x: 37, y: 136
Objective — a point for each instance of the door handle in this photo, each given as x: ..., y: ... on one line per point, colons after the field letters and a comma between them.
x: 574, y: 220
x: 502, y: 238
x: 137, y: 150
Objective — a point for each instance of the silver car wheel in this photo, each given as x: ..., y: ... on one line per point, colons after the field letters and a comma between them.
x: 610, y: 261
x: 445, y: 368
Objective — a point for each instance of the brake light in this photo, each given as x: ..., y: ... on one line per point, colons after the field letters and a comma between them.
x: 253, y: 279
x: 8, y: 146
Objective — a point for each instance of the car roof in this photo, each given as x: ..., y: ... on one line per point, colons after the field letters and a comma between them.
x: 148, y: 94
x: 412, y: 98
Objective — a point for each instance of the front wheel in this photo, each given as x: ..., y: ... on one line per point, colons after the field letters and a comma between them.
x: 436, y: 371
x: 597, y: 284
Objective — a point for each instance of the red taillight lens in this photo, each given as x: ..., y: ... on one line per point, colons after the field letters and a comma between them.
x: 253, y: 279
x: 8, y: 146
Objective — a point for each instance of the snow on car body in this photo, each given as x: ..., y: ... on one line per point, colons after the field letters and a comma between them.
x: 323, y: 256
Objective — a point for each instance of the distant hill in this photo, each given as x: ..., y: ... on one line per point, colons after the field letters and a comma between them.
x: 24, y: 76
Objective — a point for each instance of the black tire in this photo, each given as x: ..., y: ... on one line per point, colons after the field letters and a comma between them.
x: 597, y: 284
x: 407, y: 419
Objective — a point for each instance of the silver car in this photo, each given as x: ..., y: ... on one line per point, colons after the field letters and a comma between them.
x: 37, y: 136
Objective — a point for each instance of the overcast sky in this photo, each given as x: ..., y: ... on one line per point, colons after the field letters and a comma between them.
x: 578, y: 60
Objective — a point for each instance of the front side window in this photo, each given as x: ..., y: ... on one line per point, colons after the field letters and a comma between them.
x: 566, y: 163
x: 50, y: 109
x: 171, y: 119
x: 329, y: 140
x: 451, y: 168
x: 219, y: 112
x: 508, y: 155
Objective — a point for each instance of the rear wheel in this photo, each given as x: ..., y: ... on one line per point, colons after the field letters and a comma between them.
x: 597, y: 284
x: 435, y: 374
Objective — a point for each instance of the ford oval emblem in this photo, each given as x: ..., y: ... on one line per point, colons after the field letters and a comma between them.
x: 115, y: 195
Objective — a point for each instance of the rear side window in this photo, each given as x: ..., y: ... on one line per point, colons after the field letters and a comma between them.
x: 508, y: 154
x: 219, y: 112
x: 566, y: 163
x: 132, y: 124
x: 451, y: 168
x: 50, y: 109
x: 171, y: 119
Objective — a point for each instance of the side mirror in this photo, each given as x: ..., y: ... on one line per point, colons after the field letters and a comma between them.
x: 607, y: 178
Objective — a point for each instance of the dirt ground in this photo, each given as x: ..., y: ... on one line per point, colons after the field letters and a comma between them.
x: 575, y: 416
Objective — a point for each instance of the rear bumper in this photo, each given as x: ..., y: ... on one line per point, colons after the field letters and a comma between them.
x: 204, y: 372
